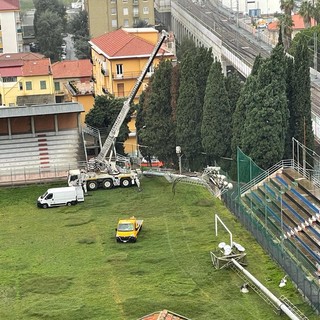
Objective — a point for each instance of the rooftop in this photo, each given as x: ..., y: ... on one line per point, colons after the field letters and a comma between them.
x: 9, y: 5
x: 121, y: 43
x: 72, y: 69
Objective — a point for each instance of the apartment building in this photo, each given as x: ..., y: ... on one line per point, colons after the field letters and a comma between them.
x: 25, y: 79
x: 118, y: 58
x: 10, y: 27
x: 72, y: 83
x: 108, y: 15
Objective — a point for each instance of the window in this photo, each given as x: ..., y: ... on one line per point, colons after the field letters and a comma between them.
x: 20, y: 86
x: 113, y: 1
x: 145, y: 10
x: 125, y: 11
x: 119, y: 69
x: 28, y: 85
x: 126, y: 23
x: 114, y: 23
x: 43, y: 84
x: 135, y: 11
x: 113, y: 11
x: 9, y: 79
x: 57, y: 86
x: 150, y: 69
x: 124, y: 0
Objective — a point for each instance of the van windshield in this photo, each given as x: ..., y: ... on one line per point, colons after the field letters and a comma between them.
x: 44, y: 195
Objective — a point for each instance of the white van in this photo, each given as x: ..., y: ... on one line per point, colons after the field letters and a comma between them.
x: 65, y: 196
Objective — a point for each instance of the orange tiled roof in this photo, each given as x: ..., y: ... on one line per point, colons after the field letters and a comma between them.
x: 21, y: 56
x: 36, y: 67
x: 72, y: 69
x: 9, y: 5
x: 164, y: 315
x: 298, y: 23
x: 120, y: 43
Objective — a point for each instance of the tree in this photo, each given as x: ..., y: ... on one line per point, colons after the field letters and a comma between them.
x: 79, y: 28
x: 264, y: 133
x: 189, y: 114
x: 51, y: 5
x: 307, y: 12
x: 103, y: 115
x: 301, y: 100
x: 159, y: 130
x: 245, y: 101
x: 202, y: 62
x: 317, y: 11
x: 50, y: 23
x: 286, y: 21
x: 185, y: 45
x: 216, y: 121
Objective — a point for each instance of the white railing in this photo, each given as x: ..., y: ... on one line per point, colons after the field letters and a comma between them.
x: 280, y: 165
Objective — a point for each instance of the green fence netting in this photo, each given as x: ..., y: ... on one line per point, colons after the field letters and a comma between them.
x: 247, y: 169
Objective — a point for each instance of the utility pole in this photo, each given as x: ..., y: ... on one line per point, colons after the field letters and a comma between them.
x: 315, y: 53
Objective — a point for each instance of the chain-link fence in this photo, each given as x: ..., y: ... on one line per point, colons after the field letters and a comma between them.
x: 285, y: 254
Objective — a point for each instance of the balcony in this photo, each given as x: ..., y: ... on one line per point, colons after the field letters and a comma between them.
x: 105, y: 72
x: 129, y: 75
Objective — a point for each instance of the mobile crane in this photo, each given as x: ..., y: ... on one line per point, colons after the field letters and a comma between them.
x: 108, y: 169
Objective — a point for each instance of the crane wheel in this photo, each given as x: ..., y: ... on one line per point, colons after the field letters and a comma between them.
x: 92, y: 185
x: 125, y: 182
x: 107, y: 184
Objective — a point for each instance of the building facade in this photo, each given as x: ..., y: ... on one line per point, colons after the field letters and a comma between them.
x: 118, y: 59
x: 10, y: 27
x: 109, y: 15
x: 25, y: 79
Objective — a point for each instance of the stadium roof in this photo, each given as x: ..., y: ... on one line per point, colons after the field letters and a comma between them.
x: 38, y: 110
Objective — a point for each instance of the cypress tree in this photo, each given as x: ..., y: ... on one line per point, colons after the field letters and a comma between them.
x: 301, y: 102
x: 245, y: 101
x: 264, y: 134
x: 216, y: 123
x: 189, y: 115
x: 159, y: 132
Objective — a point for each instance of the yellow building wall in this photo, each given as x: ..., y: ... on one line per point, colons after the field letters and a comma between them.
x: 11, y: 90
x: 87, y: 102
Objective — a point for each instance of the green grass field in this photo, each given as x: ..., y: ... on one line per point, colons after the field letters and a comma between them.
x: 64, y: 263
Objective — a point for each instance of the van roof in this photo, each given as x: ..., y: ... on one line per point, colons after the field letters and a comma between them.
x: 62, y: 189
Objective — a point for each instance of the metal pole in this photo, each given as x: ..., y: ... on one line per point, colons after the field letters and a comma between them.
x: 269, y: 294
x: 180, y: 169
x: 281, y: 220
x: 315, y: 53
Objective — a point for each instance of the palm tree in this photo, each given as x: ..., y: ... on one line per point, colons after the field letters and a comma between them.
x: 287, y: 6
x: 286, y: 22
x: 307, y: 11
x: 317, y: 11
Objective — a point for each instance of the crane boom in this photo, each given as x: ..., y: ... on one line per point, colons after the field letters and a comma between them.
x: 100, y: 161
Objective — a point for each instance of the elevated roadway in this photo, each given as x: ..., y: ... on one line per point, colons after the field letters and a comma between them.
x: 232, y: 41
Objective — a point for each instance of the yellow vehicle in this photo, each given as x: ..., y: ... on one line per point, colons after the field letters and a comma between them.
x: 128, y: 229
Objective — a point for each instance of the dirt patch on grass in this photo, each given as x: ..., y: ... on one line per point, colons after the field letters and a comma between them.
x: 204, y: 203
x: 87, y: 241
x: 117, y: 257
x: 45, y: 285
x: 75, y: 221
